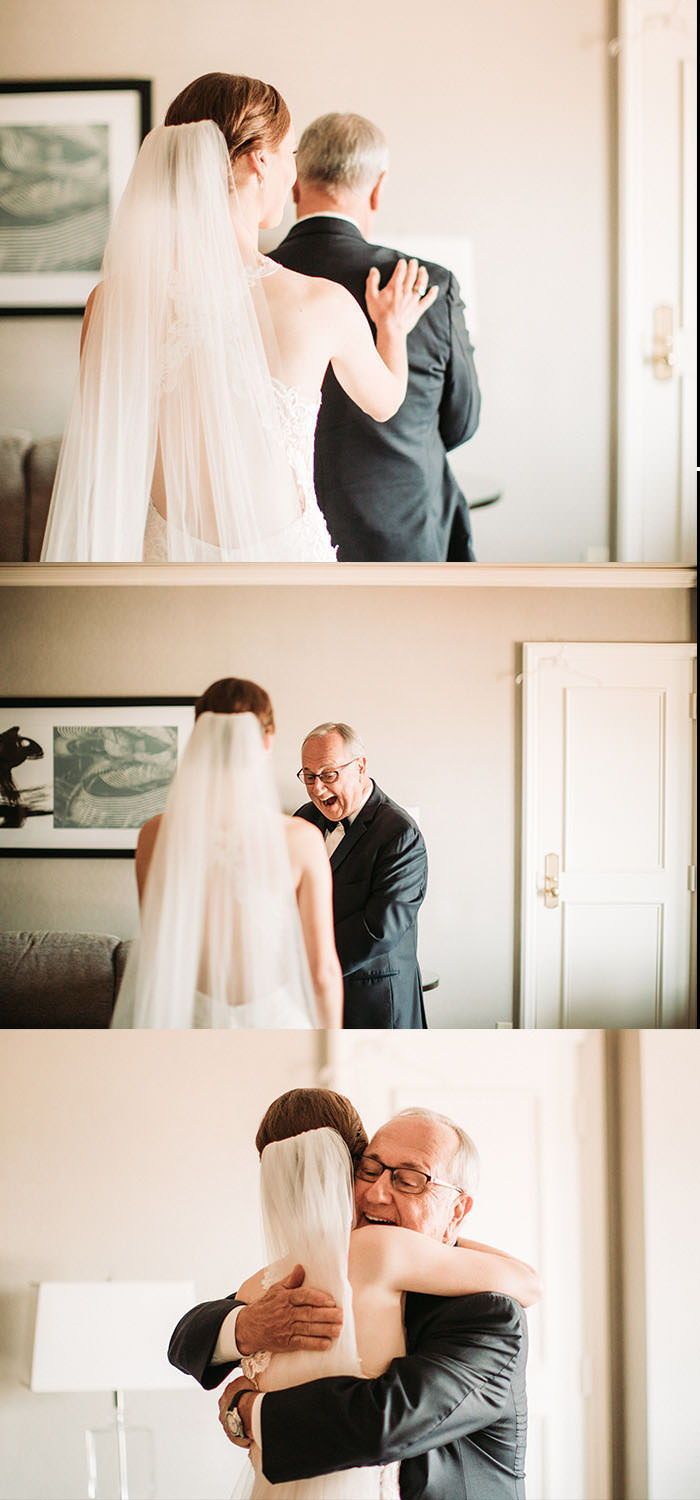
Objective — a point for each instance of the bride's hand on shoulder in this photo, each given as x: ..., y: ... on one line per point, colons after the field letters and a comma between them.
x: 404, y: 299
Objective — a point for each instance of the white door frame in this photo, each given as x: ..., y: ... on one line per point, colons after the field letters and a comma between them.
x: 534, y: 655
x: 632, y: 314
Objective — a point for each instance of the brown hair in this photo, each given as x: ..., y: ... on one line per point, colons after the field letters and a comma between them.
x: 249, y: 113
x: 235, y: 695
x: 309, y: 1109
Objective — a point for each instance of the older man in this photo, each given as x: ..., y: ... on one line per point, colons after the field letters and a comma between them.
x: 380, y: 872
x: 453, y: 1409
x: 386, y: 489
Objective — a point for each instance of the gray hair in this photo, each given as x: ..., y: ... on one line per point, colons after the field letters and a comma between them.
x: 464, y: 1163
x: 345, y: 151
x: 348, y: 735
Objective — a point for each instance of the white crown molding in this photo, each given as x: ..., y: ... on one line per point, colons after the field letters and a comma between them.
x: 349, y: 575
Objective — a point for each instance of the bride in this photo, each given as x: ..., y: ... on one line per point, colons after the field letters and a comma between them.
x: 192, y: 429
x: 236, y: 902
x: 312, y: 1142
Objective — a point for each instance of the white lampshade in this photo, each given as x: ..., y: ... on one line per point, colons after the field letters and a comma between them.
x: 107, y: 1335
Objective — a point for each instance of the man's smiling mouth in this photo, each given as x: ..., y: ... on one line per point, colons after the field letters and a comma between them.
x: 374, y: 1219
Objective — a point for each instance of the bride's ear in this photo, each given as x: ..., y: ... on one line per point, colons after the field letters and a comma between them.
x: 258, y: 164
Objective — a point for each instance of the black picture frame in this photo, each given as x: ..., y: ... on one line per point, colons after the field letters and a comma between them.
x: 137, y: 102
x: 12, y: 846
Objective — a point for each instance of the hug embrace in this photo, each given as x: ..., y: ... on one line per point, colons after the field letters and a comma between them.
x: 383, y: 1355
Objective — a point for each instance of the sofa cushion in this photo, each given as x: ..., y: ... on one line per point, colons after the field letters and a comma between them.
x: 41, y: 472
x: 59, y: 979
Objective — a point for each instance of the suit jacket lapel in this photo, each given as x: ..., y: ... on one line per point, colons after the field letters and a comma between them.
x: 357, y: 829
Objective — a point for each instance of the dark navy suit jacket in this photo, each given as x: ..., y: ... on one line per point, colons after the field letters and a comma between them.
x: 386, y: 488
x: 452, y: 1410
x: 380, y: 873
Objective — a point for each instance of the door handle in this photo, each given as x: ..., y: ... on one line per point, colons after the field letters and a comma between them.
x: 551, y: 880
x: 663, y: 354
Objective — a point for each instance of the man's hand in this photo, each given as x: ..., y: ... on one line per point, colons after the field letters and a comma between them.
x: 289, y: 1316
x: 245, y: 1406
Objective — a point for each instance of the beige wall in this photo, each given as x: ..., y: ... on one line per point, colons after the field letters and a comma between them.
x: 670, y: 1124
x: 120, y: 1161
x: 500, y: 121
x: 427, y: 675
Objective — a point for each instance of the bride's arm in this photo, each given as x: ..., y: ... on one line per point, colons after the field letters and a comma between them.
x: 375, y: 376
x: 406, y: 1261
x: 315, y: 902
x: 145, y: 844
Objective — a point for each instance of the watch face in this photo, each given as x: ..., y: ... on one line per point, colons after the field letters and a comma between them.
x: 234, y: 1423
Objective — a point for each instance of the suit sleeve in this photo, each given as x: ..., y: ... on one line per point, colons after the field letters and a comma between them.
x: 194, y: 1341
x: 399, y: 881
x: 456, y: 1383
x: 461, y: 398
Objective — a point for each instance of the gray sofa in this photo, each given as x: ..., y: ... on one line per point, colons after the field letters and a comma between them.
x: 27, y: 471
x: 59, y: 979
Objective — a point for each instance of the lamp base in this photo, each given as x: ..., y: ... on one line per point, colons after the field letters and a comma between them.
x: 120, y: 1460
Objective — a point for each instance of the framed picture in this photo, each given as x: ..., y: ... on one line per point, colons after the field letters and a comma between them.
x: 81, y: 775
x: 66, y: 151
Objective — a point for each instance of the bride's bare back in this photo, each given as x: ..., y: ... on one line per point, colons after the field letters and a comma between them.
x: 385, y: 1262
x: 378, y: 1314
x: 316, y: 323
x: 312, y: 881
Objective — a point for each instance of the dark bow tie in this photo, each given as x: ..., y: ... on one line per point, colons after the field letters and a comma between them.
x: 330, y: 824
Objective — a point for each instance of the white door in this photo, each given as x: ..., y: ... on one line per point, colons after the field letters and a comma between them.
x: 516, y: 1095
x: 607, y: 844
x: 657, y: 269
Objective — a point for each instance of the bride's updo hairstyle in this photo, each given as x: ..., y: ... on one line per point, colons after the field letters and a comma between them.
x: 250, y: 114
x: 235, y: 695
x: 310, y: 1109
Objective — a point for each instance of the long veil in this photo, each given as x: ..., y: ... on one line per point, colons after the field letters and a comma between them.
x: 221, y: 943
x: 306, y: 1186
x: 176, y: 376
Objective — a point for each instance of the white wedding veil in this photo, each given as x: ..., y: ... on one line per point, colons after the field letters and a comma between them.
x: 176, y: 376
x: 221, y: 943
x: 308, y: 1211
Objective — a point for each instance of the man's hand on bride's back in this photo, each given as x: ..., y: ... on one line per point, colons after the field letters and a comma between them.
x: 288, y: 1316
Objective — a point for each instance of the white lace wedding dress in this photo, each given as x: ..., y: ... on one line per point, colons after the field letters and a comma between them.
x: 187, y: 439
x: 307, y: 1202
x: 306, y: 539
x: 221, y: 943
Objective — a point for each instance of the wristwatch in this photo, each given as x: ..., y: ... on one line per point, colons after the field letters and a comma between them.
x: 234, y: 1421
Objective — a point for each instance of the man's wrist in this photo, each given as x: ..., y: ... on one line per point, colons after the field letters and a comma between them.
x: 245, y: 1411
x: 243, y: 1344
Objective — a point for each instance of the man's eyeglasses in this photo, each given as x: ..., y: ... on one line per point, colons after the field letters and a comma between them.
x: 404, y: 1179
x: 327, y: 776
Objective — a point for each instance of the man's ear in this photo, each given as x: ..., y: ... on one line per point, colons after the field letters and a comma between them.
x: 376, y: 193
x: 463, y: 1206
x: 296, y: 192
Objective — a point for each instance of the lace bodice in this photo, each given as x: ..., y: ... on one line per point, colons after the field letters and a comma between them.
x: 307, y: 539
x: 298, y: 417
